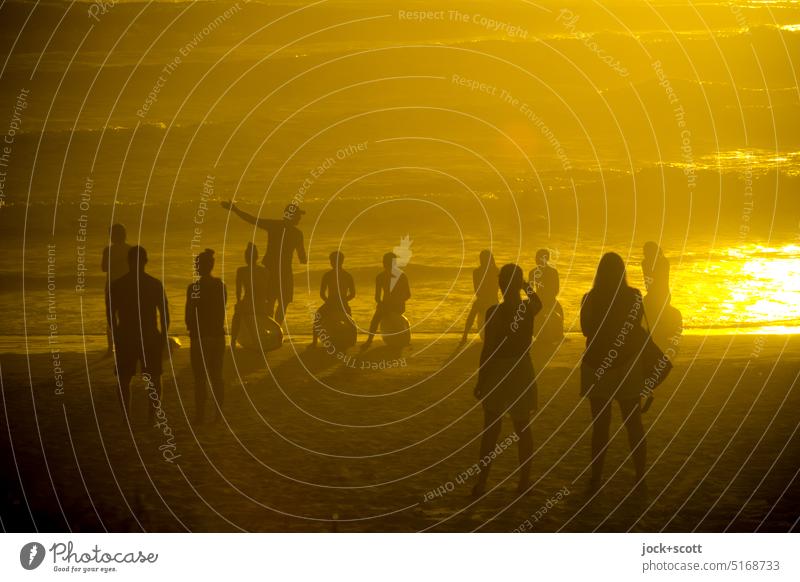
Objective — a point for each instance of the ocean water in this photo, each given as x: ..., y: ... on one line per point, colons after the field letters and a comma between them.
x: 582, y: 127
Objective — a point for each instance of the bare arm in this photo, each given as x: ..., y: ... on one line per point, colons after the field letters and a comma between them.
x: 240, y: 274
x: 164, y: 311
x: 323, y: 287
x: 249, y: 218
x: 301, y: 251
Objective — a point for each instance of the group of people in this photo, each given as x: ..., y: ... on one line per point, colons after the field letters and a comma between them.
x: 611, y: 320
x: 138, y: 320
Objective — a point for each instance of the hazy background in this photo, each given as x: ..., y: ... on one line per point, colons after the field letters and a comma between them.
x: 590, y: 157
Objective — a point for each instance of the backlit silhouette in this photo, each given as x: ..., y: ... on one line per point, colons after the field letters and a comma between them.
x: 205, y: 320
x: 114, y: 264
x: 544, y: 278
x: 506, y: 379
x: 484, y: 284
x: 611, y: 315
x: 251, y: 280
x: 140, y: 323
x: 284, y: 239
x: 392, y: 290
x: 336, y: 289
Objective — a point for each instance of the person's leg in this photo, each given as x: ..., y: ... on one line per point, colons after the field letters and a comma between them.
x: 199, y: 374
x: 124, y: 393
x: 473, y: 312
x: 632, y: 415
x: 236, y: 324
x: 109, y: 338
x: 601, y: 424
x: 522, y: 426
x: 280, y: 311
x: 217, y: 355
x: 373, y: 325
x: 492, y: 423
x: 155, y: 380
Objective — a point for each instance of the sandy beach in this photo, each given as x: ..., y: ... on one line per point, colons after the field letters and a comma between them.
x: 385, y: 440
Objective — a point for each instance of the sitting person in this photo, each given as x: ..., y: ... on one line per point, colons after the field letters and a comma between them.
x: 337, y: 289
x: 251, y: 281
x: 391, y: 293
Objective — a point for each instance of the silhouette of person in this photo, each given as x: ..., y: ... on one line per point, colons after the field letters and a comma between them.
x: 336, y: 289
x: 140, y: 323
x: 284, y: 239
x: 205, y: 320
x: 392, y: 290
x: 544, y: 278
x: 655, y: 267
x: 611, y: 316
x: 484, y: 283
x: 506, y: 378
x: 250, y: 293
x: 545, y: 281
x: 114, y: 264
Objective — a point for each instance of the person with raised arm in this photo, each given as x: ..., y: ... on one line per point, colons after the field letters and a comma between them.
x: 284, y: 239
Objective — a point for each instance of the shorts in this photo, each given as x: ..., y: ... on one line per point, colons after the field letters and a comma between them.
x: 132, y: 348
x: 508, y: 386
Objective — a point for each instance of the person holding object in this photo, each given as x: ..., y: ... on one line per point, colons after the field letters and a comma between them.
x: 611, y: 318
x: 506, y: 377
x: 392, y: 290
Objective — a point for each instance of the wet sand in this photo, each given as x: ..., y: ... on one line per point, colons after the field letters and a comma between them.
x: 385, y: 442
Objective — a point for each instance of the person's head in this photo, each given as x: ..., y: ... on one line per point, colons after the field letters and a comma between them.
x: 388, y: 261
x: 137, y: 259
x: 610, y: 276
x: 487, y: 259
x: 651, y: 250
x: 292, y: 213
x: 251, y: 254
x: 542, y: 257
x: 337, y: 259
x: 118, y: 234
x: 205, y: 262
x: 511, y: 280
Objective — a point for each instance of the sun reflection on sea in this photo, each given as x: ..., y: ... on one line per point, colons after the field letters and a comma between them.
x: 748, y: 288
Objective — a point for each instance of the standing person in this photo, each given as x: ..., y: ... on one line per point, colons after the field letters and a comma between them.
x: 545, y: 281
x: 250, y: 293
x: 337, y: 289
x: 655, y: 268
x: 611, y: 316
x: 392, y: 290
x: 506, y: 378
x: 484, y: 283
x: 140, y: 323
x: 205, y: 320
x: 284, y: 239
x: 114, y: 264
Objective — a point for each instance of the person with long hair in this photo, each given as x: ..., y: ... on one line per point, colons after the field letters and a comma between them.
x: 506, y: 378
x: 611, y: 316
x: 484, y: 284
